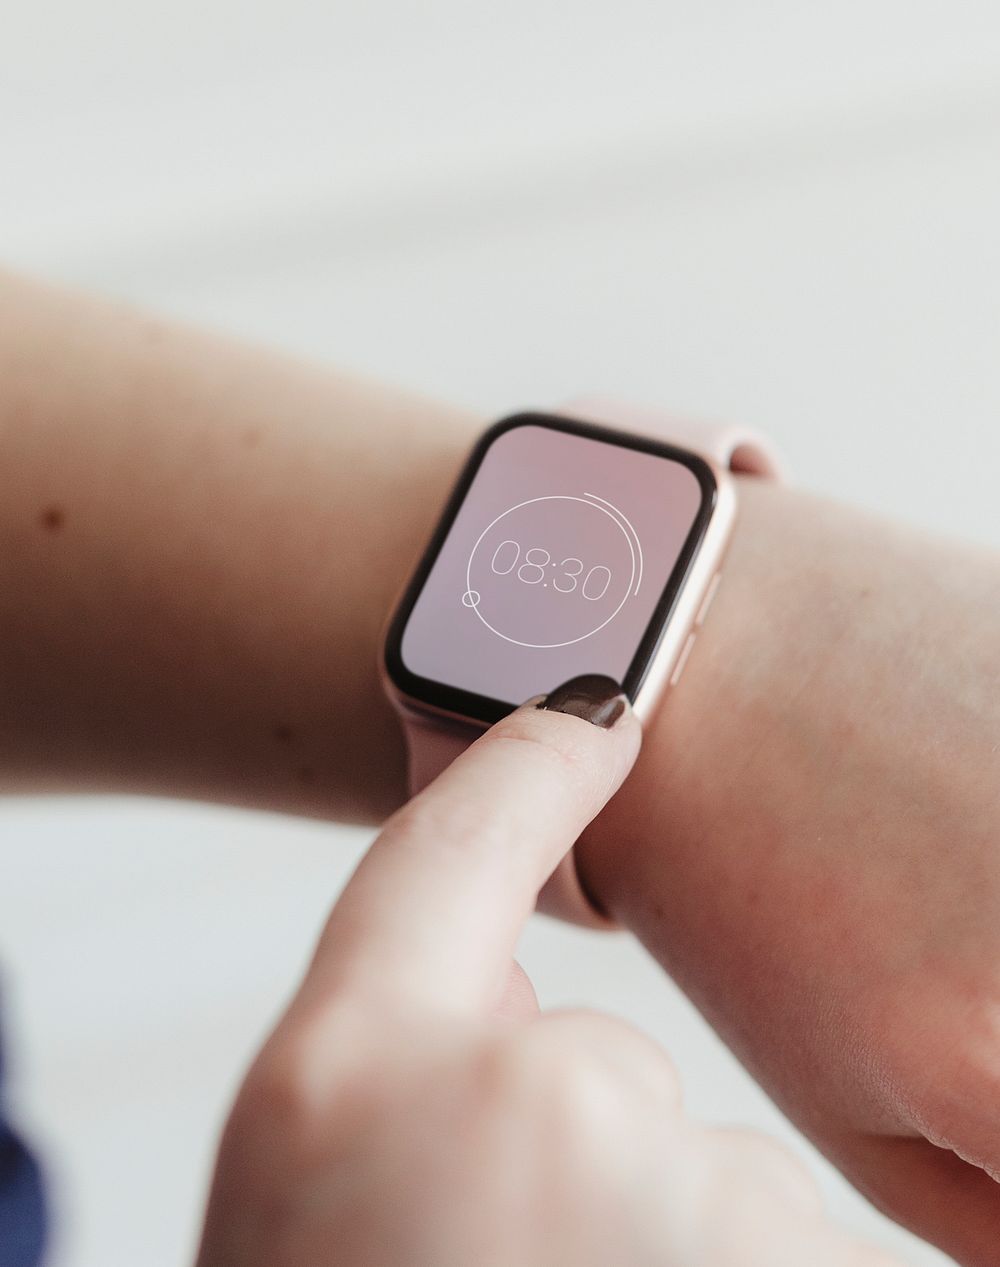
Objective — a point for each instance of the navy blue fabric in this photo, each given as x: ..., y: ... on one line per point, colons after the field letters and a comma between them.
x: 22, y: 1201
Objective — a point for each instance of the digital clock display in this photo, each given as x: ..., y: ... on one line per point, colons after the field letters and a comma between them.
x: 587, y: 593
x: 559, y: 555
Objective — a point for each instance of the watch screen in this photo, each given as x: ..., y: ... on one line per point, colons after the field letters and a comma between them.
x: 560, y: 555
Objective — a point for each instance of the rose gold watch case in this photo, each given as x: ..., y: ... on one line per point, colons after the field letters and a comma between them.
x: 676, y: 640
x: 690, y: 608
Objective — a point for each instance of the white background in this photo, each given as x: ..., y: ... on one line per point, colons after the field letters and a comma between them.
x: 783, y: 211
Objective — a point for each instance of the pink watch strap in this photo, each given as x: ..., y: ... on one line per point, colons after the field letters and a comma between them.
x: 737, y: 449
x: 432, y: 745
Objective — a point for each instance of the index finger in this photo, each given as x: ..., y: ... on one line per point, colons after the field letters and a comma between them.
x: 433, y: 913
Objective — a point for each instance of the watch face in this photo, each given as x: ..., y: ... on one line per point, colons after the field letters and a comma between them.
x: 561, y: 552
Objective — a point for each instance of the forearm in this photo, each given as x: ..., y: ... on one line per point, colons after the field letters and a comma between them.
x: 200, y: 543
x: 824, y: 771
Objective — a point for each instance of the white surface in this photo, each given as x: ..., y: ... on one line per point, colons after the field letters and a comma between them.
x: 779, y: 212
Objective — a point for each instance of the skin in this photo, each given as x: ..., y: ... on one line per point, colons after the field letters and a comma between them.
x: 194, y: 578
x: 825, y: 880
x: 400, y: 1115
x: 201, y: 541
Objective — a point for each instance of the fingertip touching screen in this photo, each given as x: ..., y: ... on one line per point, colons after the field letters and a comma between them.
x: 561, y: 553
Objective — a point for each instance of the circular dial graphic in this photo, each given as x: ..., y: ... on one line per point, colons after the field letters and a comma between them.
x: 553, y: 570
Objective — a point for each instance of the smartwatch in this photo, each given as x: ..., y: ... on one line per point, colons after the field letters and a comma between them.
x: 588, y: 539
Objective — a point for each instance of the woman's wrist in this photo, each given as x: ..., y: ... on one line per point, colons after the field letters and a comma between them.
x: 757, y: 683
x: 703, y: 730
x: 839, y: 711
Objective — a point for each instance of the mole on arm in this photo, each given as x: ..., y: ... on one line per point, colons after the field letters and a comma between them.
x: 52, y: 518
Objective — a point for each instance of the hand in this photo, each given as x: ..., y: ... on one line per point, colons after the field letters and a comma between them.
x: 810, y: 844
x: 413, y: 1109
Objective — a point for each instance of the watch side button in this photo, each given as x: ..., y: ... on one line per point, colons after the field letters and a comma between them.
x: 706, y: 602
x: 682, y: 659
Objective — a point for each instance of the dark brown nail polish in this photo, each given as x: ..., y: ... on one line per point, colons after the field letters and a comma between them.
x: 592, y: 696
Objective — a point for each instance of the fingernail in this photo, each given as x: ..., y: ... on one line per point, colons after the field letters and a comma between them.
x: 592, y: 696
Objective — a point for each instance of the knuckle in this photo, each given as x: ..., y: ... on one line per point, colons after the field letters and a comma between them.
x: 272, y: 1110
x: 278, y: 1091
x: 561, y: 761
x: 563, y: 1078
x: 443, y: 820
x: 626, y: 1054
x: 583, y: 1089
x: 504, y: 1072
x: 309, y: 1074
x: 563, y: 751
x: 571, y: 1092
x: 451, y: 829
